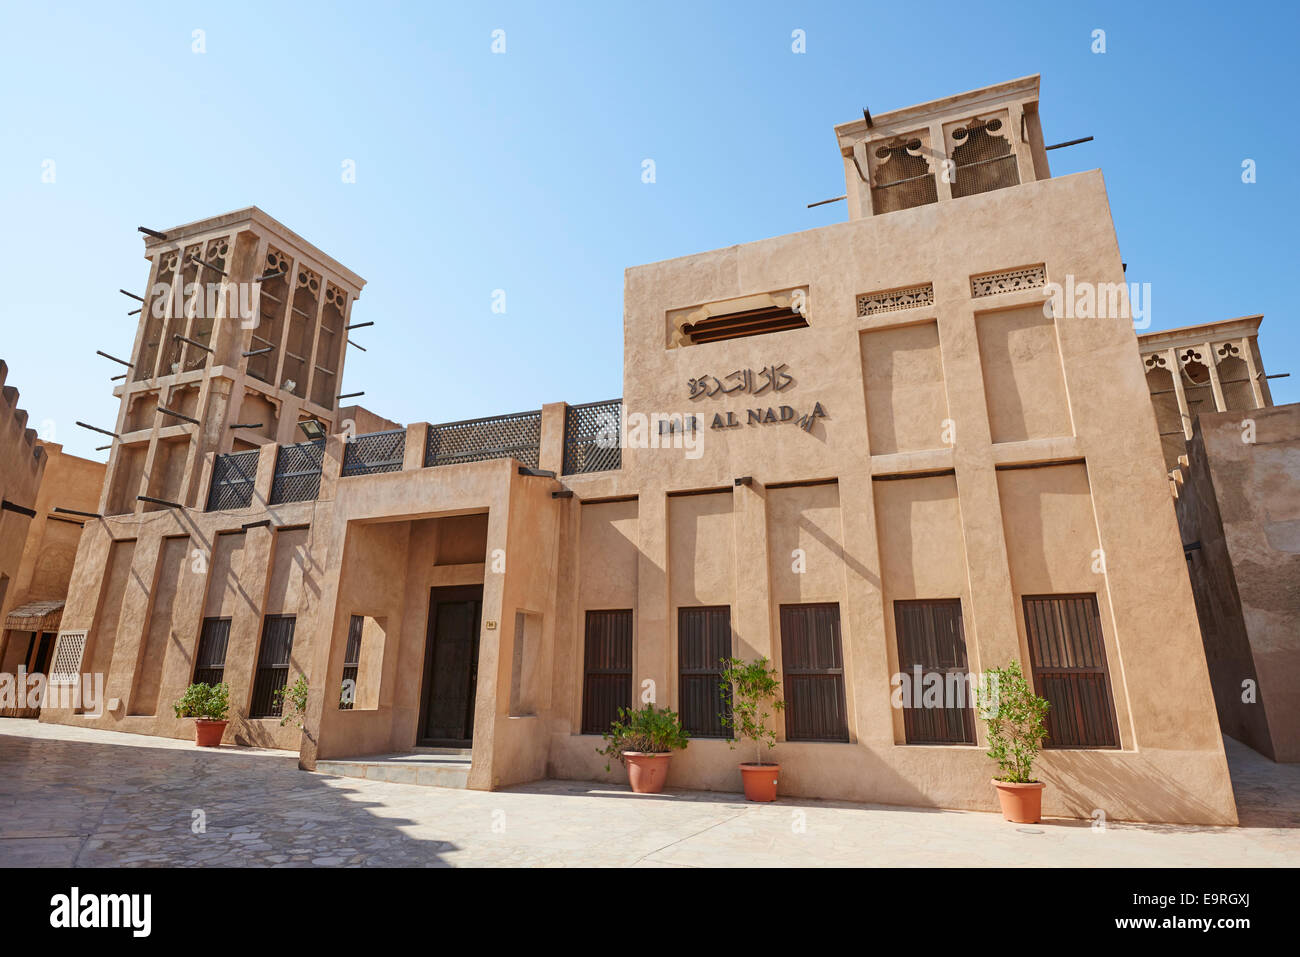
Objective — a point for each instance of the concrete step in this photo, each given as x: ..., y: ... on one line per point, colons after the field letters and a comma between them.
x: 432, y: 767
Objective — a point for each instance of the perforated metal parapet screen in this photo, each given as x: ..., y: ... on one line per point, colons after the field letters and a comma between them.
x: 232, y: 480
x: 374, y: 452
x: 476, y: 440
x: 592, y: 437
x: 983, y: 160
x: 297, y: 472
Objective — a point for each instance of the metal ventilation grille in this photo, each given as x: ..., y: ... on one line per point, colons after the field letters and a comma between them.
x: 902, y: 180
x: 233, y: 475
x: 476, y: 440
x: 892, y: 300
x: 1009, y: 280
x: 374, y: 452
x: 297, y: 472
x: 983, y: 159
x: 592, y: 437
x: 67, y: 657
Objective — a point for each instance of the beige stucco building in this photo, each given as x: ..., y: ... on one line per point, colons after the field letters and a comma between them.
x: 42, y: 488
x: 860, y: 450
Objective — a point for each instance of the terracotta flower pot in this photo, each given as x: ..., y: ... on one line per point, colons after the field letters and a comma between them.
x: 1021, y: 803
x: 207, y: 733
x: 647, y: 772
x: 760, y: 781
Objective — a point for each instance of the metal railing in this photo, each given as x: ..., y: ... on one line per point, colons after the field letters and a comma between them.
x: 593, y: 437
x: 476, y: 440
x: 233, y: 475
x: 297, y: 472
x: 374, y: 452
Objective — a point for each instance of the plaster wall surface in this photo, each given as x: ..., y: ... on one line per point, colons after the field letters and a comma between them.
x: 955, y: 446
x: 1239, y: 505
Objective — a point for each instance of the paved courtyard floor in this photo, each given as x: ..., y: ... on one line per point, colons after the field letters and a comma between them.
x: 87, y: 798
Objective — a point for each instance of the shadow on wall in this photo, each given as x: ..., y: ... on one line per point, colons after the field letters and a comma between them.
x: 258, y: 810
x: 1150, y: 793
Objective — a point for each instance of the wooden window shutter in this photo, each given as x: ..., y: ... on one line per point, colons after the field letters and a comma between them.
x: 1068, y: 656
x: 272, y: 666
x: 210, y: 661
x: 351, y: 662
x: 607, y: 669
x: 930, y: 637
x: 703, y: 641
x: 813, y: 665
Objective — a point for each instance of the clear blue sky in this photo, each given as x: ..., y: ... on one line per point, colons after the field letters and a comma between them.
x: 522, y: 171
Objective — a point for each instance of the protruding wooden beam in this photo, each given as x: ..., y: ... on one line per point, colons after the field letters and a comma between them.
x: 172, y: 412
x: 159, y: 501
x: 121, y: 362
x: 177, y: 335
x: 72, y: 511
x: 92, y: 428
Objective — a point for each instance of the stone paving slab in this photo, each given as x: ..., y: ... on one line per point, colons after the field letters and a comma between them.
x: 100, y: 799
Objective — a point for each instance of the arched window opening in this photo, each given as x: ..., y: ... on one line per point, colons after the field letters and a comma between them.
x: 983, y: 158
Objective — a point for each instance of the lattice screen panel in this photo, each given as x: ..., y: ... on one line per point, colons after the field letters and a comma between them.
x: 477, y: 440
x: 297, y: 472
x: 1009, y: 280
x: 984, y: 159
x: 892, y: 300
x: 66, y: 667
x: 374, y: 452
x: 901, y: 179
x: 233, y: 475
x: 592, y: 437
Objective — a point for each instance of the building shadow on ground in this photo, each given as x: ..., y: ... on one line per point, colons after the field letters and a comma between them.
x: 89, y: 804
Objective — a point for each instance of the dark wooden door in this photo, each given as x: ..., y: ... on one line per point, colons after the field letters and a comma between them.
x: 451, y: 666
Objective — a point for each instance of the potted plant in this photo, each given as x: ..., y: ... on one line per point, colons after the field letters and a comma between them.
x: 755, y: 690
x: 644, y: 741
x: 208, y: 705
x: 1015, y: 719
x: 293, y: 701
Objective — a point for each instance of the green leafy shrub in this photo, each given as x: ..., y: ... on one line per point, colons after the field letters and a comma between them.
x: 202, y: 700
x: 755, y: 690
x: 293, y: 701
x: 648, y: 731
x: 1015, y: 719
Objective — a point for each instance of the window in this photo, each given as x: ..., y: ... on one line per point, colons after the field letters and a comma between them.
x: 750, y: 322
x: 983, y: 158
x: 930, y: 638
x: 901, y: 176
x: 210, y: 662
x: 703, y: 641
x: 351, y: 663
x: 814, y: 673
x: 1069, y: 664
x: 272, y: 666
x: 607, y: 669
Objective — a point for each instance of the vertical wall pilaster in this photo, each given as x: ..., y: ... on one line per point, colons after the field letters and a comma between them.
x: 651, y: 654
x: 751, y: 621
